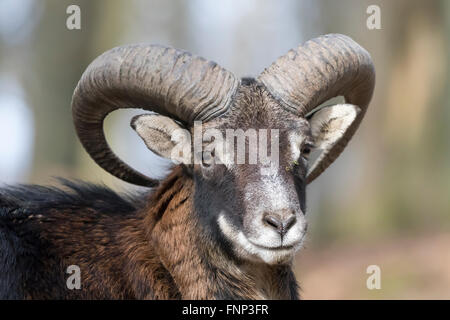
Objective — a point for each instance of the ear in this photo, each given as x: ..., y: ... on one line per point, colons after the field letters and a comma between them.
x: 330, y: 123
x: 163, y: 136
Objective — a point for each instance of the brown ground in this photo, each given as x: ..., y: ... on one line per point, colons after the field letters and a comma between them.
x: 411, y: 268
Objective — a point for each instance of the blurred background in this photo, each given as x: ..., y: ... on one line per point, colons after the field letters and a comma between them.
x: 385, y: 201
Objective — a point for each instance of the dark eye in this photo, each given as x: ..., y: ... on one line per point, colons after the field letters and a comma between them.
x: 207, y: 158
x: 306, y: 150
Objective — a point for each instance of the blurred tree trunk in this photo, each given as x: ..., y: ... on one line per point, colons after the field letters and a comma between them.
x: 393, y: 144
x: 56, y: 59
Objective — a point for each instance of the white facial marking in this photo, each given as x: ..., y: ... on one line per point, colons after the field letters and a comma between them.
x: 295, y: 140
x: 273, y: 187
x: 245, y: 248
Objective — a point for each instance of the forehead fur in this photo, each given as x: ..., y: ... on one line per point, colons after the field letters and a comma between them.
x: 254, y: 107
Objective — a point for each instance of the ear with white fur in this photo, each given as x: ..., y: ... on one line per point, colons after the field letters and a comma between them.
x: 163, y: 136
x: 328, y: 125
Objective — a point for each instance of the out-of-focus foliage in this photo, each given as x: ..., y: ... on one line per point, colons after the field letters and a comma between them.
x: 385, y: 201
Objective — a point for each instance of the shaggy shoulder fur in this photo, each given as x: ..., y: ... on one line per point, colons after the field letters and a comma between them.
x: 80, y: 222
x: 146, y: 246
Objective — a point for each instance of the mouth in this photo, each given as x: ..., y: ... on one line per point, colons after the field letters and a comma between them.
x: 277, y: 248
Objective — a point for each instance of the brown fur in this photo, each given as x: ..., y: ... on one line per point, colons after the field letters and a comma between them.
x: 159, y: 252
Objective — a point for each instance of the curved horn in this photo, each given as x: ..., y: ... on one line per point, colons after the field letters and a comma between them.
x: 323, y: 68
x: 170, y: 82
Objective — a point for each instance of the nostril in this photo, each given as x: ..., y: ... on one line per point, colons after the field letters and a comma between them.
x: 273, y: 221
x: 281, y: 225
x: 289, y: 223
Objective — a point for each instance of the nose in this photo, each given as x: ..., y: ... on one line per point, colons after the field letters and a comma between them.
x: 280, y: 222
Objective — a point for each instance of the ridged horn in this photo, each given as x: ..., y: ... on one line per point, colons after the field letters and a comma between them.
x: 170, y: 82
x: 325, y: 67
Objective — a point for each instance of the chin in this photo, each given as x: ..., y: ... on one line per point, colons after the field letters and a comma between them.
x: 274, y: 257
x: 252, y: 253
x: 271, y: 256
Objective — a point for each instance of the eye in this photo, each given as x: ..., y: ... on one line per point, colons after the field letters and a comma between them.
x: 208, y: 158
x: 306, y: 150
